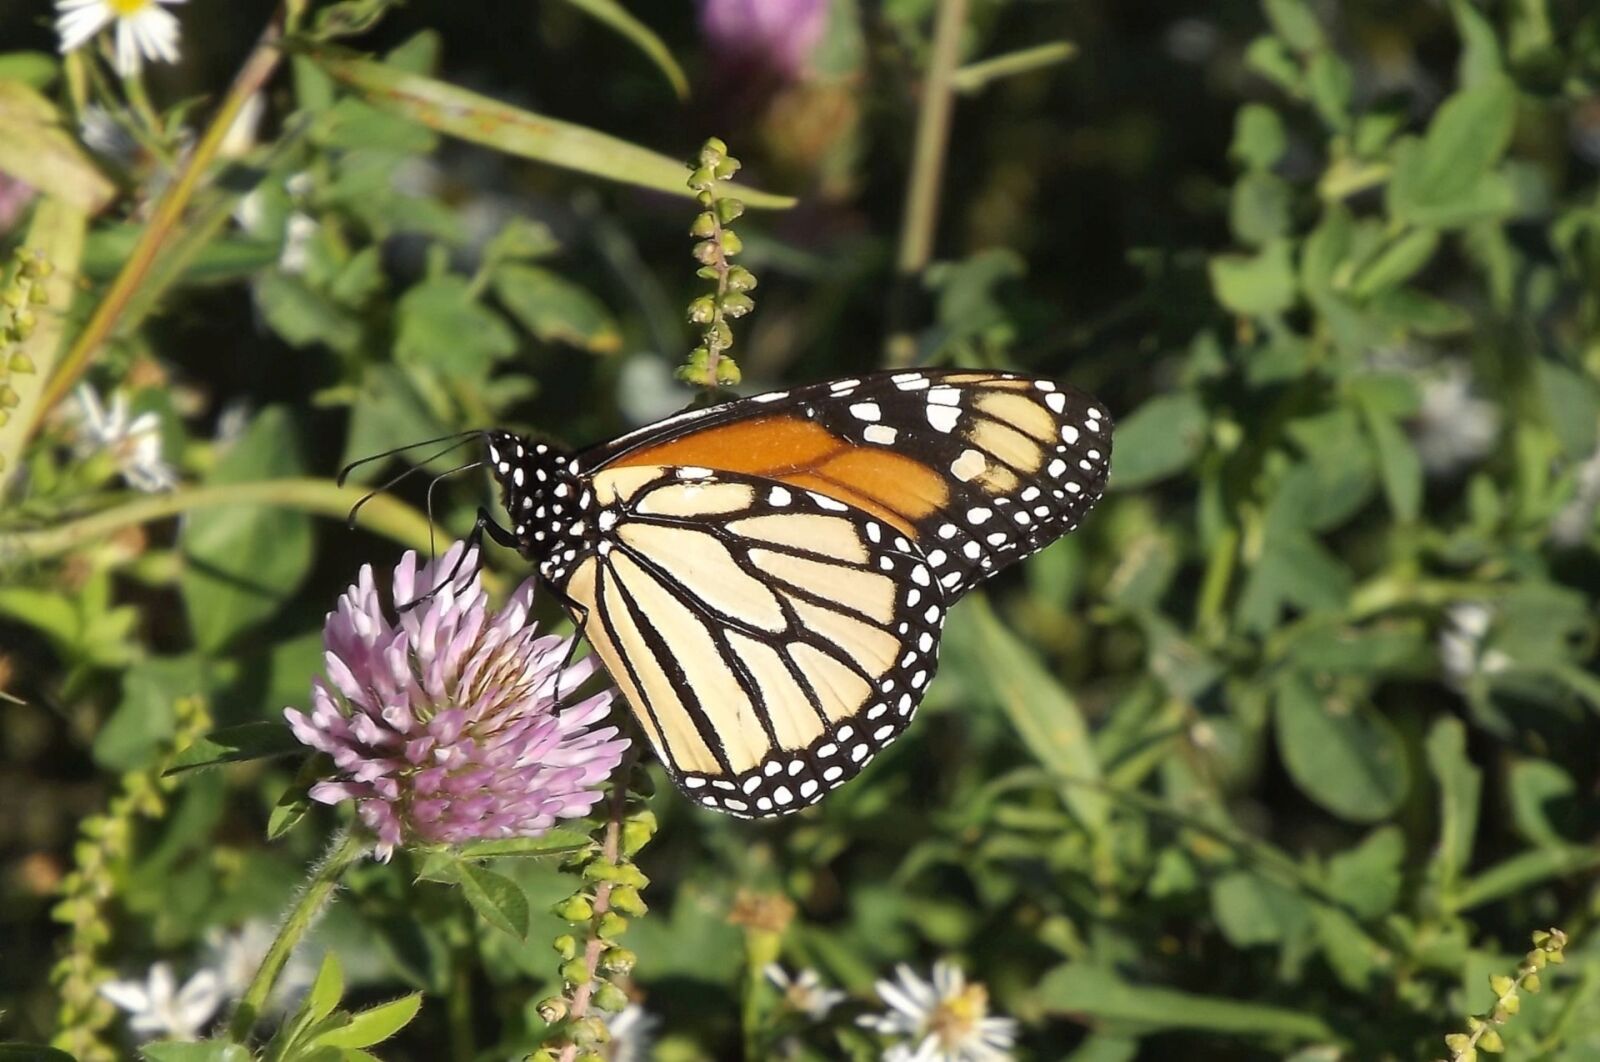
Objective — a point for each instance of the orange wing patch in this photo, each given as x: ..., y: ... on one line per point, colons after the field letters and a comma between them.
x: 896, y: 489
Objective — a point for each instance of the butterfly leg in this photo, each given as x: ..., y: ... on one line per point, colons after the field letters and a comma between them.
x: 580, y: 621
x: 483, y: 525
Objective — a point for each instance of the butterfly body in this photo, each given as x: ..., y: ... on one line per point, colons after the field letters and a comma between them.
x: 766, y: 580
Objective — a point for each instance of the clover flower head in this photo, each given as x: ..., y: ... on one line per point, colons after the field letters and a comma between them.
x: 942, y: 1019
x: 767, y: 38
x: 447, y: 725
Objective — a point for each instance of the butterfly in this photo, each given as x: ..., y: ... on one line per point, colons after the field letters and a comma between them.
x: 766, y: 579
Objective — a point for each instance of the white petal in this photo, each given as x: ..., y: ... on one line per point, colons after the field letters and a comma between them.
x: 128, y: 995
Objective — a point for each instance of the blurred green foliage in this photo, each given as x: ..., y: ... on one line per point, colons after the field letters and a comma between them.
x: 1283, y: 755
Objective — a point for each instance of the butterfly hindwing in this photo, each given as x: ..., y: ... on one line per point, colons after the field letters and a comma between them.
x: 770, y: 639
x: 979, y: 469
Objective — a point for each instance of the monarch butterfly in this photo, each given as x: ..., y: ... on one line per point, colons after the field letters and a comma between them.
x: 766, y: 579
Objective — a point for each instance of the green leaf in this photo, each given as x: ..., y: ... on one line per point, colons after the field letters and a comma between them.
x: 1399, y: 467
x: 1259, y: 285
x: 233, y: 744
x: 206, y: 1051
x: 304, y: 316
x: 34, y: 69
x: 1159, y: 439
x: 295, y: 800
x: 143, y: 721
x: 1330, y: 82
x: 442, y: 326
x: 388, y: 412
x: 1446, y: 179
x: 1259, y: 208
x: 641, y: 36
x: 1480, y: 46
x: 1367, y: 878
x: 368, y: 1027
x: 1080, y: 989
x: 557, y: 310
x: 326, y: 991
x: 1259, y: 139
x: 1045, y: 716
x: 1251, y: 910
x: 1539, y: 791
x: 560, y: 840
x: 241, y: 562
x: 1345, y: 756
x: 35, y: 147
x: 1520, y: 873
x: 1294, y: 21
x: 496, y: 897
x: 1460, y: 787
x: 32, y: 1053
x: 1396, y: 263
x: 1572, y: 405
x: 457, y: 112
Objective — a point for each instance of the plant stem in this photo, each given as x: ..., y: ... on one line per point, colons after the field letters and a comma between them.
x: 258, y: 67
x: 383, y: 514
x: 611, y: 850
x: 342, y: 854
x: 924, y: 179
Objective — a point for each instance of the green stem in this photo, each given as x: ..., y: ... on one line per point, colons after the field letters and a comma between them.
x: 342, y: 854
x: 383, y: 514
x: 924, y: 179
x: 260, y: 65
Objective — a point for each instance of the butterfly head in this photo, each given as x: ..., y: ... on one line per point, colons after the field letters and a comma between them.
x: 540, y: 489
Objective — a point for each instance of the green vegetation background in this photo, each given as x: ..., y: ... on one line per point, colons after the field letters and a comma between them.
x: 1288, y: 750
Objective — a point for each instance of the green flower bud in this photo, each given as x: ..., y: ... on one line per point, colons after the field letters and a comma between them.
x: 735, y: 304
x: 552, y: 1010
x: 637, y: 831
x: 612, y: 926
x: 609, y: 998
x: 725, y: 169
x: 704, y: 225
x: 618, y: 960
x: 587, y: 1032
x: 702, y: 179
x: 20, y: 362
x: 708, y: 253
x: 38, y: 296
x: 731, y: 244
x: 566, y: 945
x: 728, y: 372
x: 575, y: 909
x: 575, y: 972
x: 1491, y: 1042
x: 1531, y: 983
x: 591, y: 1056
x: 8, y: 397
x: 714, y: 146
x: 544, y: 1054
x: 729, y: 210
x: 722, y: 334
x: 702, y: 310
x: 741, y: 279
x: 626, y: 898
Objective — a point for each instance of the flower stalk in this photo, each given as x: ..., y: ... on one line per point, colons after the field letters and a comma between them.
x: 1483, y: 1030
x: 709, y: 364
x: 346, y: 850
x: 594, y: 967
x: 105, y: 842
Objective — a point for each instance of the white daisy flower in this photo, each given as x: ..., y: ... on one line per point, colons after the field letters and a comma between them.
x: 804, y: 992
x: 941, y: 1020
x: 144, y: 29
x: 1454, y: 428
x: 157, y: 1007
x: 238, y: 955
x: 135, y: 445
x: 1461, y: 652
x: 632, y: 1032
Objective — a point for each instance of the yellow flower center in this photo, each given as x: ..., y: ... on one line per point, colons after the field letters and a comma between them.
x: 955, y: 1019
x: 128, y: 8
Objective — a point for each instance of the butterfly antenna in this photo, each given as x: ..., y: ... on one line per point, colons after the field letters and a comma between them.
x: 353, y: 465
x: 432, y: 549
x: 355, y: 509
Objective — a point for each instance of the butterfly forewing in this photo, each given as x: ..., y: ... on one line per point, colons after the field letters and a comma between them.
x: 770, y: 640
x: 978, y: 469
